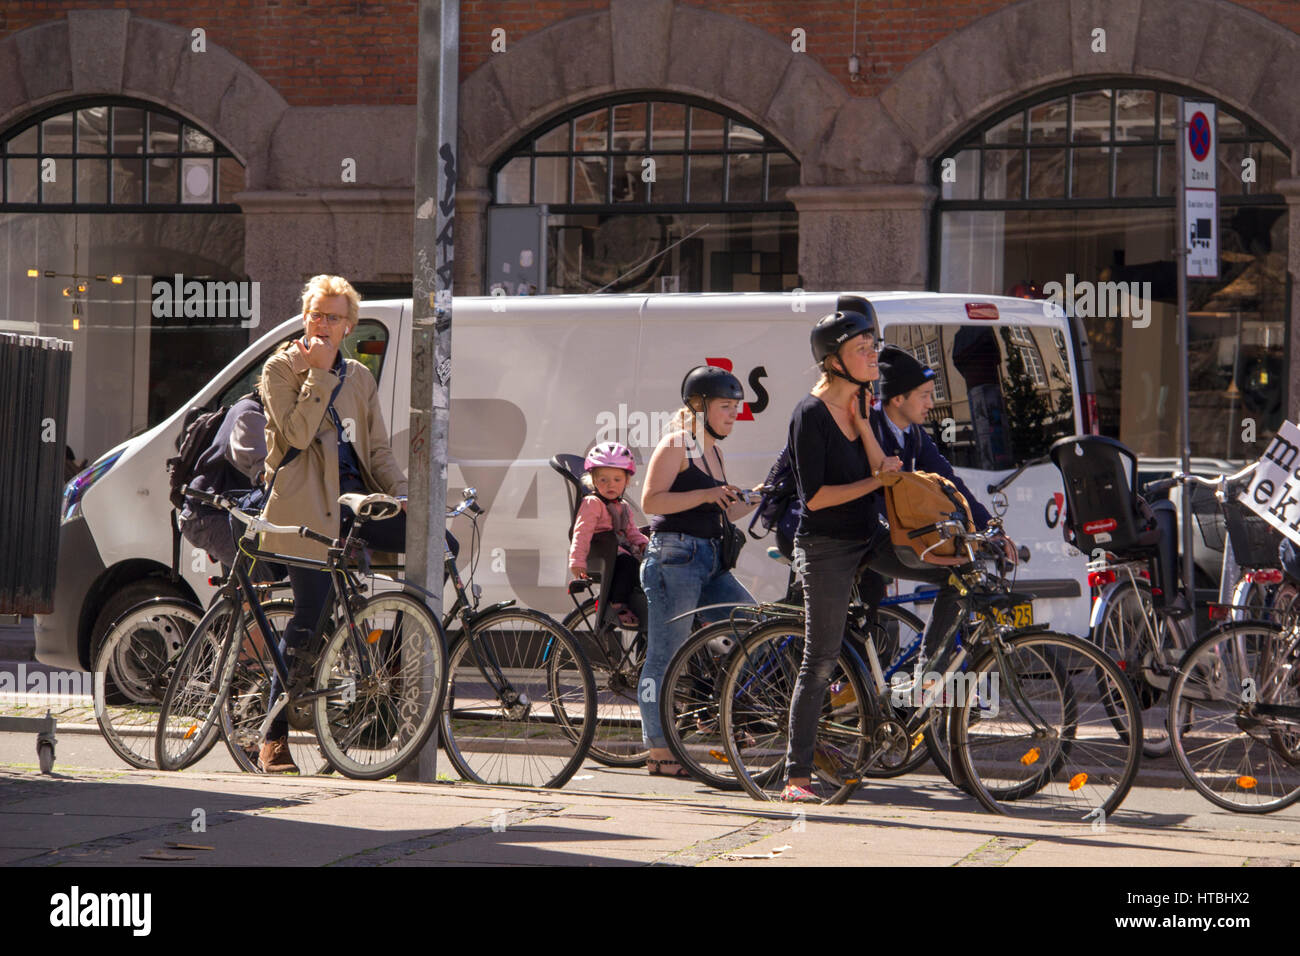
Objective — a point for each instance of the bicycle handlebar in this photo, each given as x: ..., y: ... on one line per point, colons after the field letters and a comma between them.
x: 1219, y: 483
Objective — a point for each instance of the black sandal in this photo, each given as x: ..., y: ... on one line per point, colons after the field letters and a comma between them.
x: 656, y: 769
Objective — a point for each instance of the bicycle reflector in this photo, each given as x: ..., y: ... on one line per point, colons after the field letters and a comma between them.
x: 1271, y: 576
x: 1099, y: 579
x: 1078, y: 780
x: 373, y: 636
x: 1247, y: 783
x: 1218, y: 612
x: 1031, y: 757
x: 719, y: 756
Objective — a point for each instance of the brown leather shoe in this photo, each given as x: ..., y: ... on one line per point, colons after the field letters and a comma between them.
x: 275, y: 758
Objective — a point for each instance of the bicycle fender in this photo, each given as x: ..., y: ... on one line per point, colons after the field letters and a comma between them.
x: 1107, y: 597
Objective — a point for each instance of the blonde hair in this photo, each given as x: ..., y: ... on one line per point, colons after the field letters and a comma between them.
x: 332, y: 285
x: 683, y: 419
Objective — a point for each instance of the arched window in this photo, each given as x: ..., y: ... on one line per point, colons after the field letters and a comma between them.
x: 647, y: 193
x: 117, y: 155
x: 1077, y: 186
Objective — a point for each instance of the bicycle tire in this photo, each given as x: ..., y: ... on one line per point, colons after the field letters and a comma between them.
x: 1205, y: 707
x: 246, y: 704
x: 370, y: 727
x: 191, y: 706
x: 755, y: 714
x: 618, y: 739
x: 688, y: 707
x: 1060, y: 788
x: 131, y: 669
x: 1122, y: 633
x: 549, y: 696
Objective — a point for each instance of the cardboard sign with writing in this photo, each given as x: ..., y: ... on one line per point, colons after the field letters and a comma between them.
x: 1274, y: 489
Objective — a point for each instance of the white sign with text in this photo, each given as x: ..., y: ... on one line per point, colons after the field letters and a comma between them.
x: 1274, y: 489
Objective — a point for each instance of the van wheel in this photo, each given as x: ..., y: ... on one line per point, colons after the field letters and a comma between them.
x: 137, y: 592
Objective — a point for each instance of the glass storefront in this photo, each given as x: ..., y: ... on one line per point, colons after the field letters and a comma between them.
x: 1078, y: 190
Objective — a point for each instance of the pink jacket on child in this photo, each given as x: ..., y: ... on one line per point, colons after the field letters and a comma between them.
x: 593, y: 518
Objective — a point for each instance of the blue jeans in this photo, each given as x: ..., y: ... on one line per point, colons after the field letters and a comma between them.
x: 680, y: 572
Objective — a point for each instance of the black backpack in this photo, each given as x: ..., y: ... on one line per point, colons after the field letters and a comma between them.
x: 198, y: 432
x: 780, y: 506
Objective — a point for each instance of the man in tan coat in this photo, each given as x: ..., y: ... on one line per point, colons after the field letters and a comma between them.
x: 325, y: 436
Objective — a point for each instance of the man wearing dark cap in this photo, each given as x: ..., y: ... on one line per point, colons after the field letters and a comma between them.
x: 906, y: 389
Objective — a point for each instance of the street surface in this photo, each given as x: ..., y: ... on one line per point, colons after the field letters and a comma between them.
x: 96, y: 811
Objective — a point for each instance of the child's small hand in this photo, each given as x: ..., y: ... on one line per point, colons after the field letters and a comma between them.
x: 579, y: 574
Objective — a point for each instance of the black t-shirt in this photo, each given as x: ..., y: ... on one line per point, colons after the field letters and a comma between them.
x: 823, y: 456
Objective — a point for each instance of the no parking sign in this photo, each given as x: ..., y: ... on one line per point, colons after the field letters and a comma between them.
x: 1201, y: 197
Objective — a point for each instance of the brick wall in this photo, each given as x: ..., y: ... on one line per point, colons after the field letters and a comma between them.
x: 327, y: 52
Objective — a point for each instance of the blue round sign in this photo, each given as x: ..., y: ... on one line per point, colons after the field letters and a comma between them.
x: 1198, y: 136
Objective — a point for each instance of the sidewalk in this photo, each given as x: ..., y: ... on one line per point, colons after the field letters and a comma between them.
x: 87, y: 818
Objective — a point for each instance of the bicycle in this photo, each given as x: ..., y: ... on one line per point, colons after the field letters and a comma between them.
x: 521, y: 697
x: 374, y: 688
x: 1032, y: 721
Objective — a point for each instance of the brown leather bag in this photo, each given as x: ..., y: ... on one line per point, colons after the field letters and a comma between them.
x: 915, y: 499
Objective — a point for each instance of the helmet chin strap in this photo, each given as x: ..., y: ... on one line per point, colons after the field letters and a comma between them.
x: 707, y: 427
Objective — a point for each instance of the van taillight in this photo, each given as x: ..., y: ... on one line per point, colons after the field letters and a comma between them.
x: 981, y: 310
x: 1092, y: 424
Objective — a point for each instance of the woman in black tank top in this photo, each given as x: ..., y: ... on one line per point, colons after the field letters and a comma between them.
x: 685, y: 492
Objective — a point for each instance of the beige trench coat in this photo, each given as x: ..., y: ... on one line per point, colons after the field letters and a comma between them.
x: 306, y: 491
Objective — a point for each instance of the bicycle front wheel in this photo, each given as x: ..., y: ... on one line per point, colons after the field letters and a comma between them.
x: 1047, y: 726
x: 1236, y: 702
x: 521, y: 701
x: 756, y: 693
x: 377, y: 689
x: 131, y: 670
x: 189, y: 718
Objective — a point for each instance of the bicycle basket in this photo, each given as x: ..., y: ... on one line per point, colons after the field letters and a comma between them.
x: 1254, y: 540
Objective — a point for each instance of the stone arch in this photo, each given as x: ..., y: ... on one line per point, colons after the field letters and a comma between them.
x: 650, y: 46
x: 97, y: 52
x: 1215, y: 46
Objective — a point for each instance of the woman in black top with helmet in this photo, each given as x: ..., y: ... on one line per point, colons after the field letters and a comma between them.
x: 686, y: 491
x: 836, y: 460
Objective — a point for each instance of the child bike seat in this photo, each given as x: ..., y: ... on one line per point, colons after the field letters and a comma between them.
x: 1103, y: 509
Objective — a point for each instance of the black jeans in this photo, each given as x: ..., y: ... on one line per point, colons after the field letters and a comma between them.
x: 829, y: 566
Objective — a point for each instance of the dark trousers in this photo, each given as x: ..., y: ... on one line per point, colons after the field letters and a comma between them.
x: 829, y: 566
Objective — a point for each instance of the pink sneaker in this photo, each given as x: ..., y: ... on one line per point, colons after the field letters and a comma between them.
x: 797, y: 794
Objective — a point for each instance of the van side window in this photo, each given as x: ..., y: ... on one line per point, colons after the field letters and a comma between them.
x: 1002, y: 393
x: 366, y: 344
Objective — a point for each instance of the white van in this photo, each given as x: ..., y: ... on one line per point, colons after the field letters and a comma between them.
x: 534, y: 376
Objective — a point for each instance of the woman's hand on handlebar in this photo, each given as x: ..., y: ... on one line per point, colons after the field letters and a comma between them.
x: 1008, y: 547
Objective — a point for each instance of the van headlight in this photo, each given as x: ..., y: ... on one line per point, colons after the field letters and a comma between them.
x: 76, y: 488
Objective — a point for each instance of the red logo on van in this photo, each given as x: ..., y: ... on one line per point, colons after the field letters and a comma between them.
x: 1105, y: 524
x: 746, y: 413
x: 981, y: 310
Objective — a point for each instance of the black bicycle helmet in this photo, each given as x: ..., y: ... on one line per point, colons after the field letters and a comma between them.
x: 709, y: 381
x: 832, y: 331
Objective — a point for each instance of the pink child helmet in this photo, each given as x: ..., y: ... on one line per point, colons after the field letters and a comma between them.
x: 610, y: 454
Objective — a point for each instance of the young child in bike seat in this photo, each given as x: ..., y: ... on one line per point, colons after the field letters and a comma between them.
x: 607, y: 470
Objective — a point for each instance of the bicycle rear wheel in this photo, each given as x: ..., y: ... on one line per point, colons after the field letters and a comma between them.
x: 689, y: 709
x: 521, y: 701
x: 1125, y: 634
x: 189, y: 718
x: 373, y: 705
x: 1236, y: 699
x: 1035, y: 731
x: 756, y: 693
x: 131, y: 668
x: 616, y: 656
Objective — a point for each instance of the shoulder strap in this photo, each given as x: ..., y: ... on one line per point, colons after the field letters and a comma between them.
x: 293, y: 453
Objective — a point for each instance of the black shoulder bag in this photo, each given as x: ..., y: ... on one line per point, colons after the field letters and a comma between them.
x: 733, y: 539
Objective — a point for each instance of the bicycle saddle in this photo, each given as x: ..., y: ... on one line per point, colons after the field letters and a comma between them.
x: 371, y: 507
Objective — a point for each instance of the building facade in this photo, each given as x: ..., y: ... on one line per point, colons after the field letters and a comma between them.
x: 660, y: 145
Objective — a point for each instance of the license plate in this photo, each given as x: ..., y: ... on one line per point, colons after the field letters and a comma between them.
x: 1022, y: 615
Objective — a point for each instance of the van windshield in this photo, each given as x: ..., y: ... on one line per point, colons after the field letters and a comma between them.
x: 1002, y: 393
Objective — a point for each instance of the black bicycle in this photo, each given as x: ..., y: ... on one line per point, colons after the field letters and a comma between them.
x: 369, y: 680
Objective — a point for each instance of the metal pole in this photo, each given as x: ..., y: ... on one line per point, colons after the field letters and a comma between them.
x: 435, y: 213
x: 1184, y: 332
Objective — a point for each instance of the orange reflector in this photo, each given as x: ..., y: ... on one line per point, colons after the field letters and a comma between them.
x: 194, y: 728
x: 373, y: 636
x: 719, y: 756
x: 916, y: 741
x: 1031, y: 757
x: 1078, y: 780
x: 1247, y: 783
